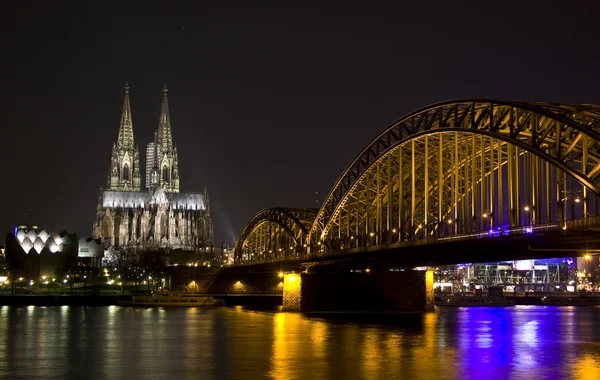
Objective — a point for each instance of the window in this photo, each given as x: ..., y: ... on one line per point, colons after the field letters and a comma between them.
x: 165, y: 174
x: 125, y: 172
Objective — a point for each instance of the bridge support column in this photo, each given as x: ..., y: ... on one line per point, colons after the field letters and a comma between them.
x: 377, y: 290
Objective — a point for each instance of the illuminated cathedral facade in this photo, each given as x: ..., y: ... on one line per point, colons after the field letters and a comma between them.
x: 153, y: 213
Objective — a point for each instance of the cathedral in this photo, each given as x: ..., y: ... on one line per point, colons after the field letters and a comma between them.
x: 156, y: 215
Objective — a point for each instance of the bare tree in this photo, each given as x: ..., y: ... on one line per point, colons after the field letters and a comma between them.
x: 123, y: 261
x: 154, y: 262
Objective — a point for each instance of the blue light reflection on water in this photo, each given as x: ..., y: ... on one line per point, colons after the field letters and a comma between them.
x: 526, y: 341
x: 452, y: 343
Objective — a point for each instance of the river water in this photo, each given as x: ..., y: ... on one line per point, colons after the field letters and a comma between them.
x: 523, y: 342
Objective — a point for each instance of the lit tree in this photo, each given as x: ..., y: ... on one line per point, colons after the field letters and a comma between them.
x: 123, y: 261
x: 154, y: 262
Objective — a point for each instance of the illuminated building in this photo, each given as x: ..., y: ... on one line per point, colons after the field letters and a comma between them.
x: 90, y: 252
x: 159, y: 215
x: 37, y: 252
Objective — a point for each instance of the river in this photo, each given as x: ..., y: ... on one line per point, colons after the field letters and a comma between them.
x: 523, y: 342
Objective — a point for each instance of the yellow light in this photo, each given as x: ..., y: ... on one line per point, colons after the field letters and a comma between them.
x: 20, y: 278
x: 526, y: 208
x: 292, y: 278
x: 576, y: 200
x: 351, y: 237
x: 367, y: 270
x: 449, y: 221
x: 420, y: 226
x: 319, y: 243
x: 372, y: 234
x: 588, y: 257
x: 304, y: 245
x: 394, y: 230
x: 564, y: 227
x: 485, y: 214
x: 280, y: 274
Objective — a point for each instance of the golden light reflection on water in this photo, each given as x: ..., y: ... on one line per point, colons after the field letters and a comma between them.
x: 283, y: 345
x: 587, y: 367
x: 372, y: 355
x: 425, y: 350
x: 197, y: 343
x: 357, y: 351
x: 318, y: 339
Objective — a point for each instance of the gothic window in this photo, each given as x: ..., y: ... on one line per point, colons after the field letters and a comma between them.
x: 163, y: 226
x: 165, y: 174
x: 107, y: 227
x: 125, y: 172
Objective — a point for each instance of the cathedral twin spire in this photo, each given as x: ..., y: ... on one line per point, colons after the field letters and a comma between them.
x: 125, y: 139
x: 165, y: 151
x: 161, y: 155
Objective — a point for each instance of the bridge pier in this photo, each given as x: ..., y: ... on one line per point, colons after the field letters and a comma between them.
x: 379, y: 291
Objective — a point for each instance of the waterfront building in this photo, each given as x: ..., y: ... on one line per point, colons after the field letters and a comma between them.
x: 90, y: 252
x: 158, y: 216
x: 520, y: 275
x: 35, y: 253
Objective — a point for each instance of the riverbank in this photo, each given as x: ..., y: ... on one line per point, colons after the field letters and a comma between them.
x: 62, y: 300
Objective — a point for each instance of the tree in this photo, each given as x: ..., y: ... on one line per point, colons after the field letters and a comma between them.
x: 154, y: 262
x: 15, y: 258
x: 123, y: 261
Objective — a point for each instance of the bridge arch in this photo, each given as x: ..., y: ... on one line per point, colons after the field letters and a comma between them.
x: 512, y: 163
x: 275, y: 233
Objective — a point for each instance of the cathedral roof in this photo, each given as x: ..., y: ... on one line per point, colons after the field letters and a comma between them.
x: 143, y: 199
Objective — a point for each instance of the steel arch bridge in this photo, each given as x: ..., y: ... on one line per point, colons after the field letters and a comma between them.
x: 464, y: 168
x: 276, y: 233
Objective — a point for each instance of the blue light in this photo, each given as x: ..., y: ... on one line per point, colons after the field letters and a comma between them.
x: 528, y: 230
x: 16, y: 230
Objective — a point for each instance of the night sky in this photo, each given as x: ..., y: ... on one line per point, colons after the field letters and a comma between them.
x: 268, y: 105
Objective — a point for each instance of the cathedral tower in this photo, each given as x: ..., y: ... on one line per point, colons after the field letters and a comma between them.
x: 166, y: 151
x: 160, y: 215
x: 124, y: 171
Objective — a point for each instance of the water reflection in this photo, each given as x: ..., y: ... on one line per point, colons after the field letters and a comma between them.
x: 120, y: 343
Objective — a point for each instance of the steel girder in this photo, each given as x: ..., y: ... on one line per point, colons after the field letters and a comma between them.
x: 567, y: 137
x: 294, y: 222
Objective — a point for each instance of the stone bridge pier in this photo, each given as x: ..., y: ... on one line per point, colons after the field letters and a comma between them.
x: 375, y: 290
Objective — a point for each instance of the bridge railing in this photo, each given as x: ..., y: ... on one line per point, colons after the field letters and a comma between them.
x: 576, y: 224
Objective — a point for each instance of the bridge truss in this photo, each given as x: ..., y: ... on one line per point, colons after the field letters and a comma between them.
x: 465, y: 168
x: 275, y: 233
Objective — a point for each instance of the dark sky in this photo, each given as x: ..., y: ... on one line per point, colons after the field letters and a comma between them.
x: 268, y: 105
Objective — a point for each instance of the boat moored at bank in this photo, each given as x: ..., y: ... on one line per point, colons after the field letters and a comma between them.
x: 163, y: 299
